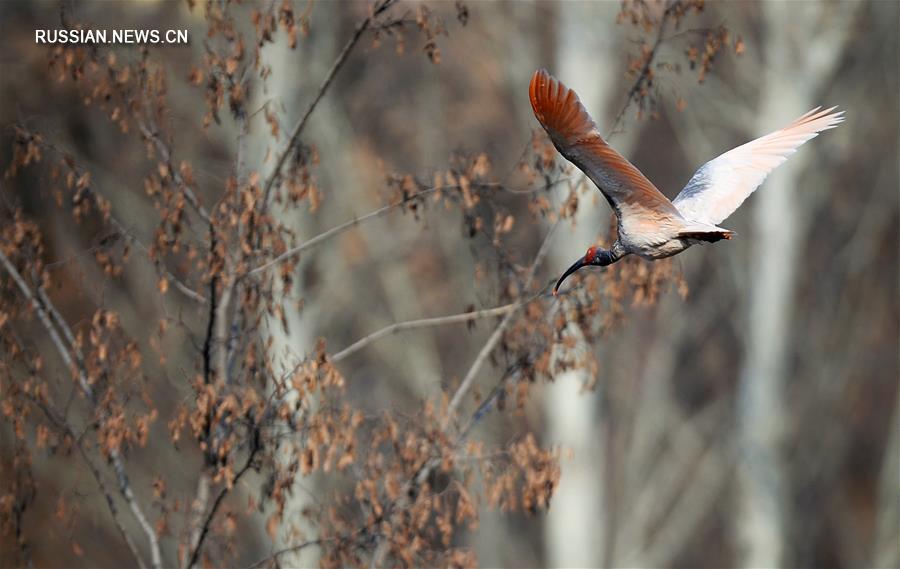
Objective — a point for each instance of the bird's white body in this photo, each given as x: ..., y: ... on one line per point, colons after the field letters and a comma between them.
x: 656, y: 237
x: 649, y: 225
x: 651, y: 241
x: 653, y: 250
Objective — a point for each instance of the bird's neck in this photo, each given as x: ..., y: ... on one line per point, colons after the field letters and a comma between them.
x: 609, y: 256
x: 617, y: 251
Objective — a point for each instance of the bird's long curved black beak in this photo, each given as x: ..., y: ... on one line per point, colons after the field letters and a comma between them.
x: 575, y: 266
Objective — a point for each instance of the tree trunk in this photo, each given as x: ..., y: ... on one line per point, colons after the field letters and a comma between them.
x: 576, y: 526
x: 801, y: 54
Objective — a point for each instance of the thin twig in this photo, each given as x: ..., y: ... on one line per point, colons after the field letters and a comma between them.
x: 195, y: 526
x: 60, y: 322
x: 484, y: 406
x: 210, y: 326
x: 121, y: 230
x: 66, y: 429
x: 179, y: 285
x: 427, y: 323
x: 45, y: 318
x: 215, y: 367
x: 43, y: 313
x: 207, y: 524
x: 298, y: 128
x: 422, y: 323
x: 644, y: 74
x: 346, y: 226
x: 150, y: 132
x: 492, y: 342
x: 410, y: 487
x: 292, y: 549
x: 216, y: 349
x: 128, y: 494
x: 380, y: 212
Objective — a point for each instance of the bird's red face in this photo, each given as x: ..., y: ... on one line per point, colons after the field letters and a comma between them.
x: 589, y: 259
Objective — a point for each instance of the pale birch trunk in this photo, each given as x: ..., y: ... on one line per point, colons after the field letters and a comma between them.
x: 575, y: 528
x: 289, y: 96
x: 801, y: 53
x: 887, y: 542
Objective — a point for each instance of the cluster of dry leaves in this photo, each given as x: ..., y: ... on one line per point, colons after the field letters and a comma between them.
x: 664, y: 21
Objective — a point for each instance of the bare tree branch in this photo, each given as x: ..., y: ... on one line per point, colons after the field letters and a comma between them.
x: 151, y: 133
x: 66, y: 429
x: 294, y: 139
x: 380, y: 212
x: 204, y: 528
x: 346, y: 226
x: 644, y: 73
x: 422, y: 323
x: 121, y: 230
x: 381, y: 548
x: 43, y: 313
x: 292, y: 549
x: 492, y: 342
x: 215, y: 368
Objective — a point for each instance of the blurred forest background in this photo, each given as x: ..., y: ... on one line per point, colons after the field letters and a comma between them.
x: 183, y: 289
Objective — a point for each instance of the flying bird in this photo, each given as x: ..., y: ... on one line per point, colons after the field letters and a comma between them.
x: 649, y: 224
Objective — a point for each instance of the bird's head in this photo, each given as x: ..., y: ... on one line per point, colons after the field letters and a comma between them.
x: 593, y: 256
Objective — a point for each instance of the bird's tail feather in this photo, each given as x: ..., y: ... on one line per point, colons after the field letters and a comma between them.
x: 708, y: 236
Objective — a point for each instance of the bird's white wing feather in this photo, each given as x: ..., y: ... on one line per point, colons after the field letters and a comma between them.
x: 721, y: 185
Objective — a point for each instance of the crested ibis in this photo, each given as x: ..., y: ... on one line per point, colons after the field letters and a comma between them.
x: 649, y: 225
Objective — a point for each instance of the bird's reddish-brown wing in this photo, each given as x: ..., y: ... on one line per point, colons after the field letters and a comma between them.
x: 575, y: 135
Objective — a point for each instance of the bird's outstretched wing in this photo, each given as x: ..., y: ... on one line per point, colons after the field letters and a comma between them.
x: 721, y: 185
x: 575, y: 135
